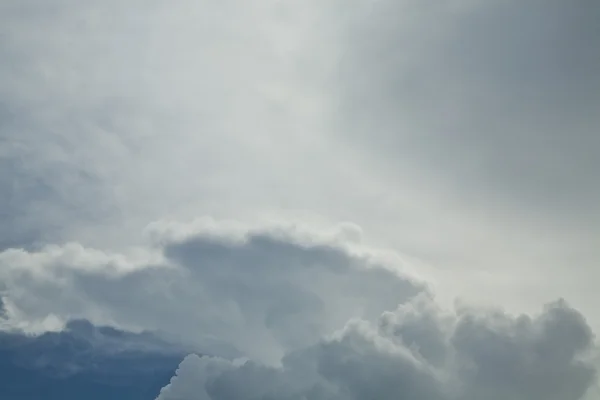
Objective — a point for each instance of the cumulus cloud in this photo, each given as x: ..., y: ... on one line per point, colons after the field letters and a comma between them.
x: 232, y: 291
x: 286, y: 312
x: 470, y: 354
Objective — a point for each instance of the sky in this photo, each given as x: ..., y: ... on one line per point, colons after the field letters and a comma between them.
x: 316, y: 199
x: 84, y: 361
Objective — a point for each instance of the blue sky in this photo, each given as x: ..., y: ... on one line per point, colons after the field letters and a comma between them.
x: 315, y: 199
x: 84, y: 361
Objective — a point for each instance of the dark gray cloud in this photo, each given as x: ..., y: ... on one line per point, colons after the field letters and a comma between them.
x: 495, y: 101
x: 483, y: 354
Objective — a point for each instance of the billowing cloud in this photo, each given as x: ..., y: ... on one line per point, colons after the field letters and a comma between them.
x: 230, y: 291
x: 286, y: 312
x: 416, y: 352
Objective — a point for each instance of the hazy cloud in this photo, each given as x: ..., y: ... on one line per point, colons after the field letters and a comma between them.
x: 462, y: 133
x: 487, y: 109
x: 493, y: 100
x: 314, y: 313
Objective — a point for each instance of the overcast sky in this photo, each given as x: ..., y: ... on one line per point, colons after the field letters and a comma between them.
x: 310, y: 184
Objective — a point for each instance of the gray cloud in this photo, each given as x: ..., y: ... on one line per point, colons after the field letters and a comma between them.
x: 257, y: 292
x: 483, y: 354
x: 2, y: 309
x: 495, y: 101
x: 260, y: 291
x: 286, y: 312
x: 475, y: 123
x: 114, y: 115
x: 486, y: 109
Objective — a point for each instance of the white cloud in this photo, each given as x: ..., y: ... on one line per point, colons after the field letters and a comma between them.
x: 476, y: 354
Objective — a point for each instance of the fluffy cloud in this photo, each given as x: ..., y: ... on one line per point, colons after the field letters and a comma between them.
x: 416, y: 352
x: 285, y: 312
x: 230, y: 291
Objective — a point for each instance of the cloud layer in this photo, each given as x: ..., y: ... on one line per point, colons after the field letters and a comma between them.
x: 488, y: 110
x: 462, y: 132
x: 493, y: 99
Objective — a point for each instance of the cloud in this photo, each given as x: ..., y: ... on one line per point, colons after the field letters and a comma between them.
x: 287, y: 312
x: 228, y: 290
x: 98, y: 99
x: 461, y: 132
x: 492, y: 100
x: 116, y: 114
x: 483, y: 112
x: 471, y: 354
